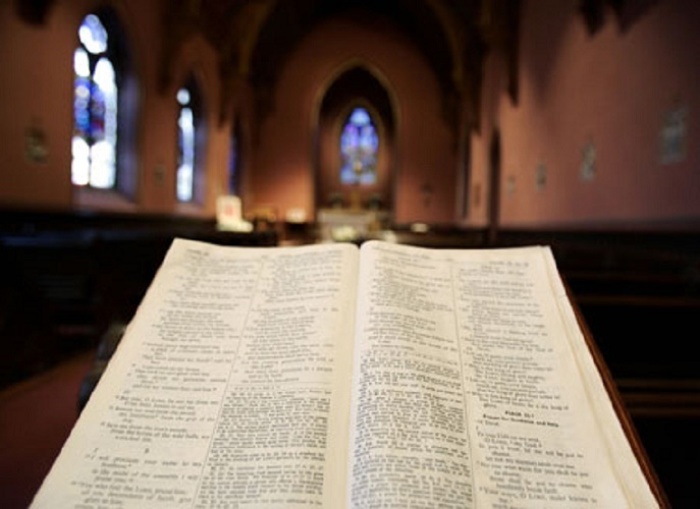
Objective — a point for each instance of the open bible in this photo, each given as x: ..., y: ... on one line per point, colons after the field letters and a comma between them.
x: 341, y: 376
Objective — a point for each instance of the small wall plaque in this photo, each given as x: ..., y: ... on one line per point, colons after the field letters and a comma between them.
x: 36, y: 148
x: 541, y: 177
x: 673, y: 135
x: 588, y: 161
x: 510, y: 185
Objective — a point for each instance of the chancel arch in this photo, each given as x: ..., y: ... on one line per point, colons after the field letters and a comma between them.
x: 355, y: 102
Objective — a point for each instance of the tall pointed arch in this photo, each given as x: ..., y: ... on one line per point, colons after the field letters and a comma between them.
x: 354, y: 145
x: 105, y: 102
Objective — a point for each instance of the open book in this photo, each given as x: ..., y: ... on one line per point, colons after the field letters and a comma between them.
x: 335, y: 376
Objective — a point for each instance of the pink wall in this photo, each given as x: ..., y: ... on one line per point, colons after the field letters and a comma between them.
x: 613, y: 89
x: 28, y: 98
x: 282, y: 170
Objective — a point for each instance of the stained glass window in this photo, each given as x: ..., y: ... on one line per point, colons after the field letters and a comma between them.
x: 186, y: 146
x: 94, y: 144
x: 359, y: 143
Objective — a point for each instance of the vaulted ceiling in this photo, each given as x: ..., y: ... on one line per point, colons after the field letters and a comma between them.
x: 255, y: 37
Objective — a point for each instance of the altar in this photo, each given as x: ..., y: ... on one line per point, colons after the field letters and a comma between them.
x: 344, y: 224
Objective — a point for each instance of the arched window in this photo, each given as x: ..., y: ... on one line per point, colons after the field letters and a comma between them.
x: 105, y: 107
x: 359, y: 144
x: 95, y: 108
x: 189, y: 141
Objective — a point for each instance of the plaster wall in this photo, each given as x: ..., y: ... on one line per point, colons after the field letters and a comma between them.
x: 612, y: 89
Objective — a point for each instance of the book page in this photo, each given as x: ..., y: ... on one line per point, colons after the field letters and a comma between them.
x: 228, y: 389
x: 469, y: 393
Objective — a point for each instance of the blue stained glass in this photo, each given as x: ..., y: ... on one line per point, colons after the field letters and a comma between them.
x: 97, y: 113
x: 360, y: 116
x: 359, y: 144
x: 80, y: 107
x: 93, y: 35
x: 105, y: 81
x: 186, y: 147
x: 183, y: 96
x: 94, y: 108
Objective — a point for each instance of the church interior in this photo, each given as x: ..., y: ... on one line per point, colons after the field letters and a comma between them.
x: 442, y: 123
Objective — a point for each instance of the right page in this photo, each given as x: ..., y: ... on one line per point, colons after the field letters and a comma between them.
x: 474, y: 387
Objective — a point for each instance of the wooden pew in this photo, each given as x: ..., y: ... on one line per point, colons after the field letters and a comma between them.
x: 66, y: 277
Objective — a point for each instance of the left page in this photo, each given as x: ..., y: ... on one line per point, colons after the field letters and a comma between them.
x: 229, y: 388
